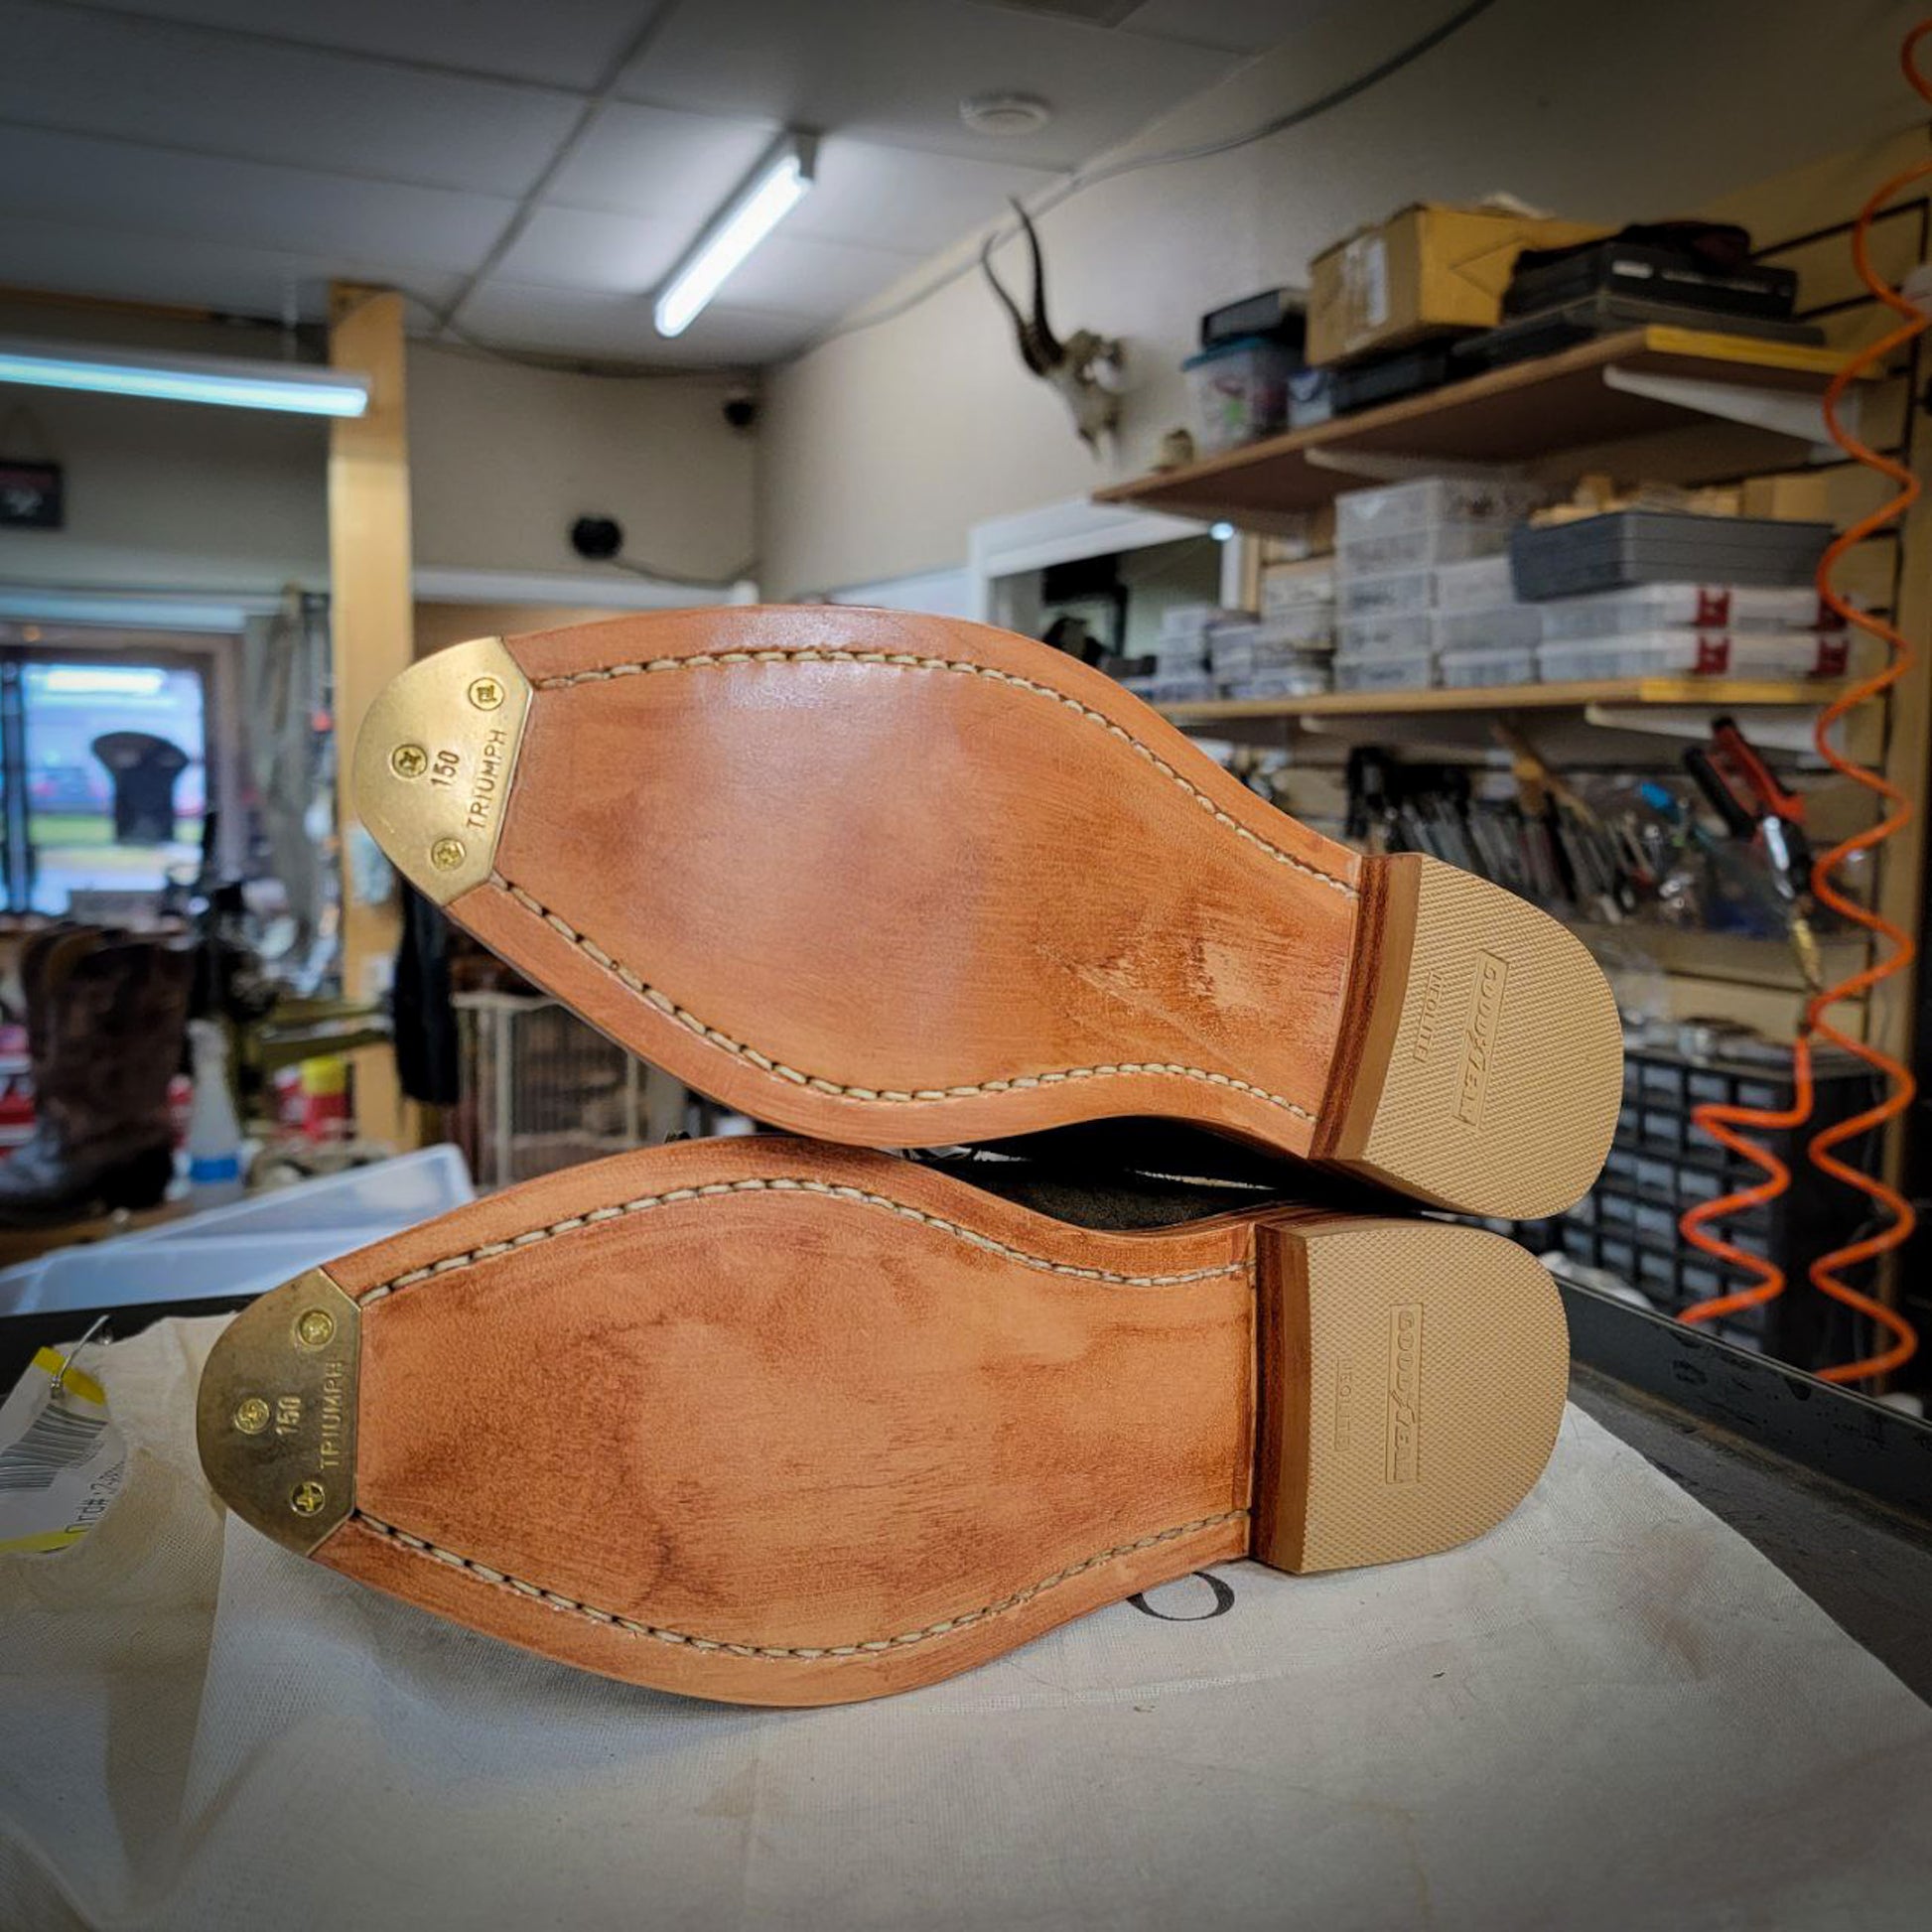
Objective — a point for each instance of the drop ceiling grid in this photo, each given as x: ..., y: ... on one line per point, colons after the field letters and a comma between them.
x: 229, y: 152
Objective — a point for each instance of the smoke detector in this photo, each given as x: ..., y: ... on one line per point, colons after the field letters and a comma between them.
x: 1004, y: 115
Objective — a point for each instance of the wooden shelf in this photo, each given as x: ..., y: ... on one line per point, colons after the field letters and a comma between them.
x: 1717, y: 693
x: 1528, y: 413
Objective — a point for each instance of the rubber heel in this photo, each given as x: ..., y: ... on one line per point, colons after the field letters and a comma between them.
x: 1480, y: 1065
x: 1412, y: 1380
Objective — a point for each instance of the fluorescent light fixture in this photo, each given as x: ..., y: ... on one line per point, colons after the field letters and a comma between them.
x: 291, y: 387
x: 102, y: 681
x: 775, y: 188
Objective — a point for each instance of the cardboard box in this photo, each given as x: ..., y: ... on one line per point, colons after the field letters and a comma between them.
x: 1426, y: 271
x: 1797, y: 499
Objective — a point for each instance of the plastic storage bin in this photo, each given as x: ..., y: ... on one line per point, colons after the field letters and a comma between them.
x: 1285, y: 588
x: 1312, y: 626
x: 1626, y: 547
x: 1480, y: 584
x: 1516, y: 626
x: 1301, y: 681
x: 1386, y: 672
x: 1489, y: 665
x: 1385, y: 632
x: 1701, y: 607
x: 1435, y: 543
x: 1400, y: 593
x: 1241, y: 391
x: 247, y: 1247
x: 1432, y: 501
x: 1697, y: 654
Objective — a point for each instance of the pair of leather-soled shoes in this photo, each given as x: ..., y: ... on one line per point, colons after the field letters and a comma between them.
x: 797, y: 1420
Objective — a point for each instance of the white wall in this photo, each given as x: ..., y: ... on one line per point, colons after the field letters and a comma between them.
x: 505, y: 456
x: 879, y: 451
x: 163, y: 495
x: 174, y: 496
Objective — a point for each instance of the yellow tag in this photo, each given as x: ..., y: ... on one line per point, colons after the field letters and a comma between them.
x: 61, y: 1457
x: 76, y: 1381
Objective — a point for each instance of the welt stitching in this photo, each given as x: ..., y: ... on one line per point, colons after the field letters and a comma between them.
x: 554, y: 1600
x: 817, y: 1083
x: 785, y: 1185
x: 958, y: 667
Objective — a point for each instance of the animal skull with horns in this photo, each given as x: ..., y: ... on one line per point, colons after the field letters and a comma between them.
x: 1072, y: 365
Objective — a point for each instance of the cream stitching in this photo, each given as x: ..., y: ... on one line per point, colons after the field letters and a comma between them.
x: 778, y: 1070
x: 785, y: 1185
x: 551, y: 1599
x: 958, y: 667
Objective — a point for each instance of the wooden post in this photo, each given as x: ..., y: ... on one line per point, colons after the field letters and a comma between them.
x: 370, y: 624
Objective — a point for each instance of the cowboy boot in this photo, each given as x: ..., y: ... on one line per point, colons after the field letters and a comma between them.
x: 106, y: 1015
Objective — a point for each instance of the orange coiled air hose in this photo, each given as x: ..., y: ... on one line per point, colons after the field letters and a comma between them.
x: 1720, y: 1122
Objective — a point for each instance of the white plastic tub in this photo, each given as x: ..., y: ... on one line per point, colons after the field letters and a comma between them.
x: 1430, y: 501
x: 1491, y: 665
x: 1402, y: 593
x: 1478, y: 583
x: 1386, y: 672
x: 247, y: 1247
x: 1514, y: 625
x: 1301, y: 681
x: 1306, y: 627
x: 1436, y: 543
x: 1699, y: 606
x: 1291, y: 587
x: 1383, y: 634
x: 1700, y: 653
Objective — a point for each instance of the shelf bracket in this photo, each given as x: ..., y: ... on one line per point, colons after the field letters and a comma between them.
x: 1380, y: 466
x: 1784, y: 412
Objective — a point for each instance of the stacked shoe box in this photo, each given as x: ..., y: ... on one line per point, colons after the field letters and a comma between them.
x: 1284, y: 650
x: 1398, y: 554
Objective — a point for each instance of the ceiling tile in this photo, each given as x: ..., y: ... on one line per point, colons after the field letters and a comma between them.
x: 151, y: 82
x: 901, y: 198
x: 1243, y: 26
x: 808, y: 277
x: 147, y: 267
x: 111, y: 184
x: 568, y: 322
x: 565, y: 43
x: 897, y: 70
x: 630, y: 254
x: 591, y: 249
x: 657, y: 161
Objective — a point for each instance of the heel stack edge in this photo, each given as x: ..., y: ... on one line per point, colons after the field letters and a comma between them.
x: 1412, y: 1380
x: 1484, y: 1056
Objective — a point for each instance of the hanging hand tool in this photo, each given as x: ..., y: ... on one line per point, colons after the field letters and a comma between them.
x: 1745, y: 793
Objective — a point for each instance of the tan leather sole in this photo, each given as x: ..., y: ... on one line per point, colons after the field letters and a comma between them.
x: 774, y: 1422
x: 896, y: 880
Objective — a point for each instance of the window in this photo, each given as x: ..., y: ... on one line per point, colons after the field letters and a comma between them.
x: 103, y: 769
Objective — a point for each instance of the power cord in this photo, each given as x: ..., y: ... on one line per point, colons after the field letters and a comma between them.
x: 1897, y: 1218
x: 1082, y: 179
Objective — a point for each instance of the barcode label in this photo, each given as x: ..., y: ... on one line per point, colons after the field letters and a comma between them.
x: 57, y: 1439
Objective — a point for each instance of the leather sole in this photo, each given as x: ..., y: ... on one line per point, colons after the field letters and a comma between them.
x: 768, y: 1422
x: 896, y: 880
